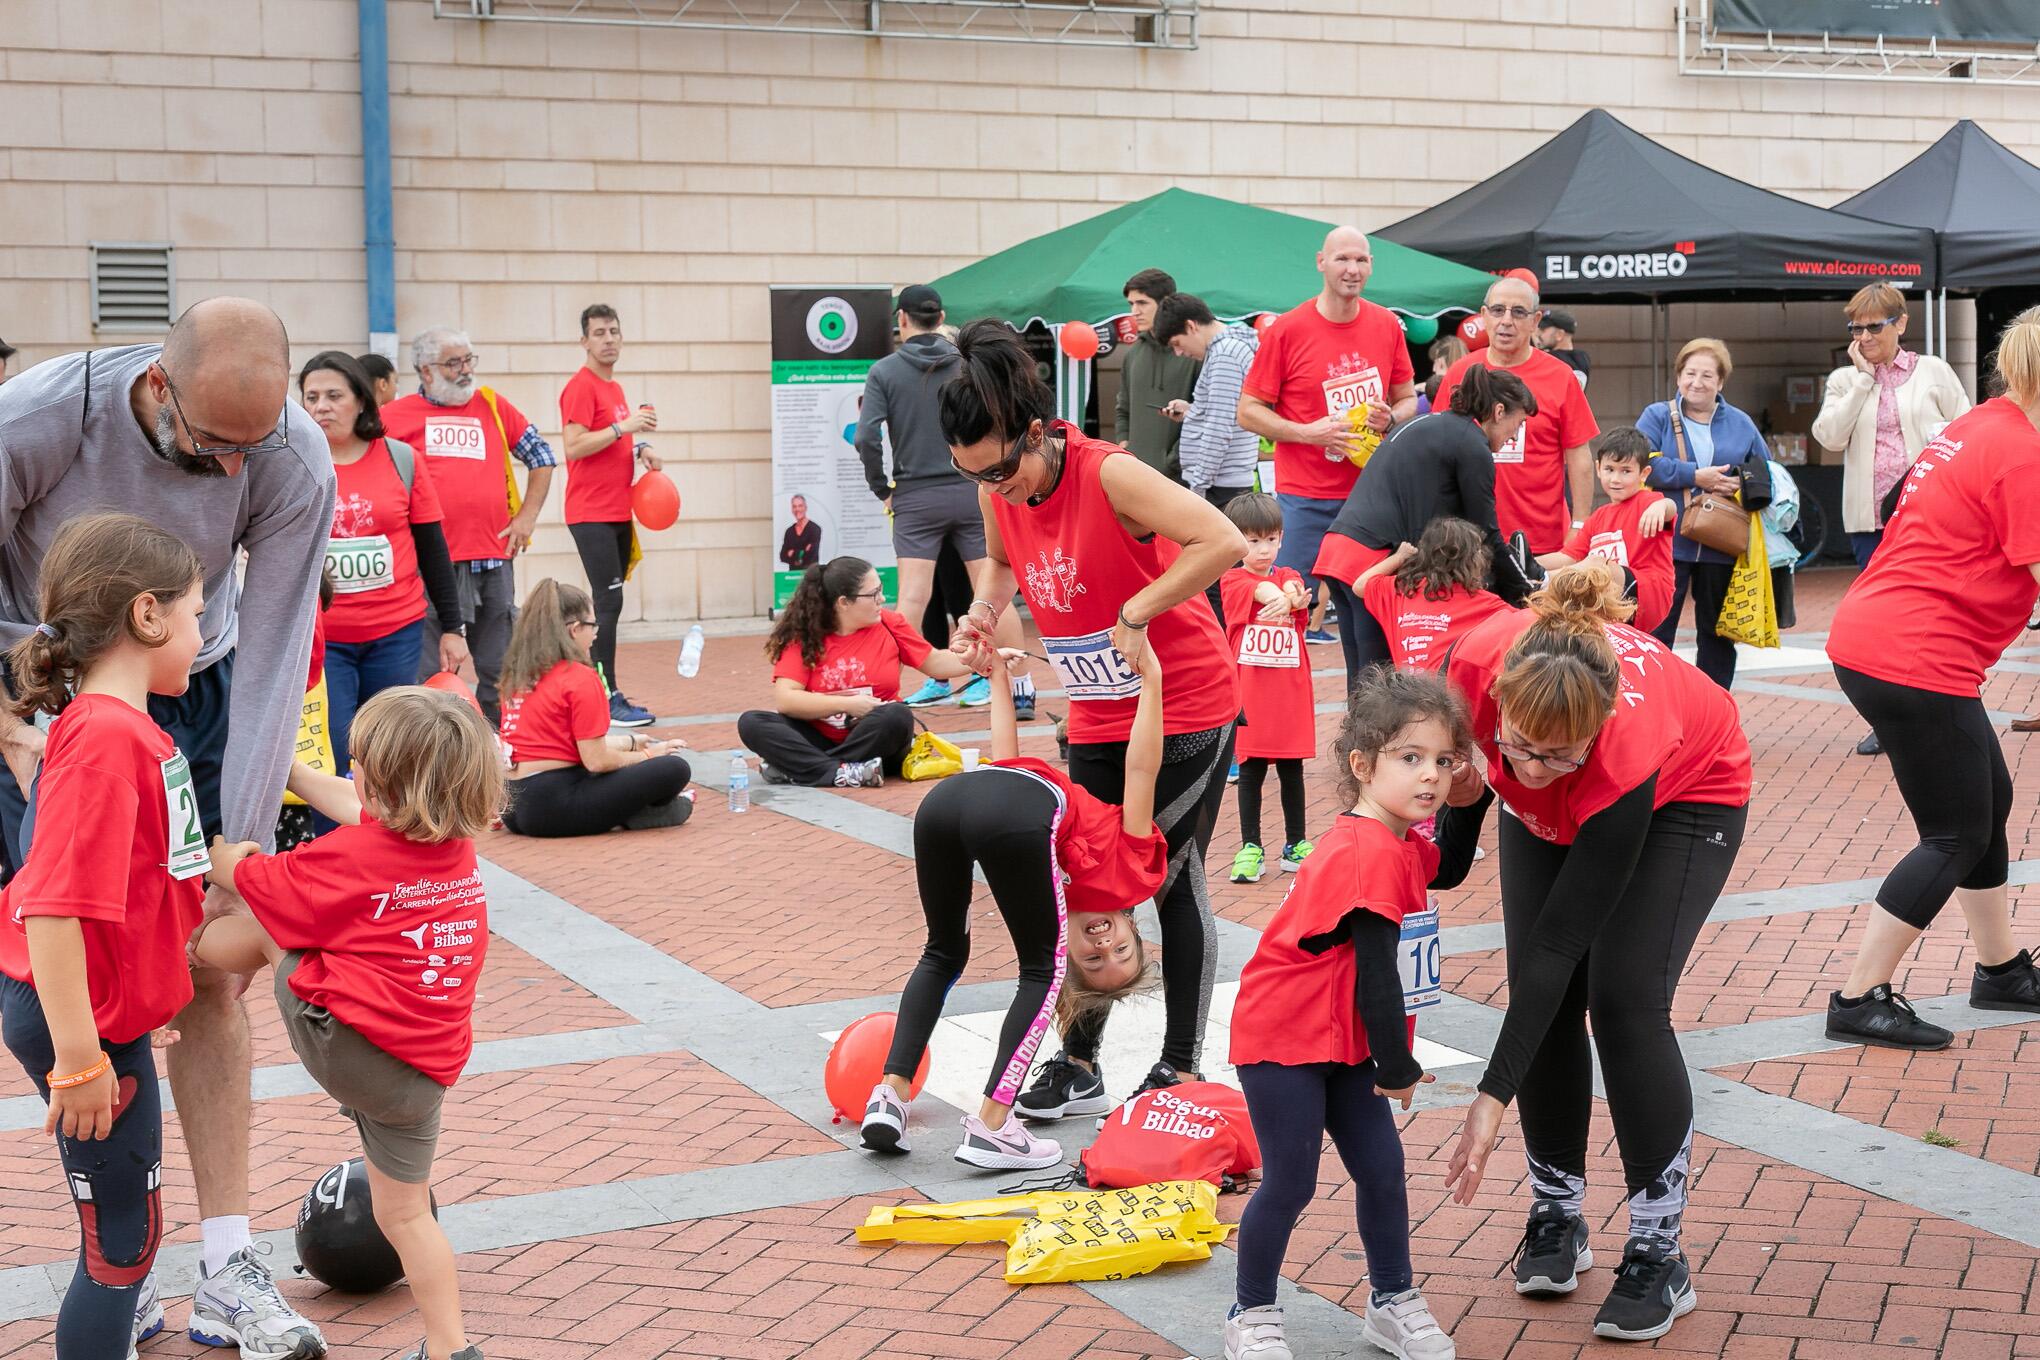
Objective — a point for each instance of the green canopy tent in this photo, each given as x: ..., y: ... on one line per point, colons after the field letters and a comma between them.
x: 1241, y: 260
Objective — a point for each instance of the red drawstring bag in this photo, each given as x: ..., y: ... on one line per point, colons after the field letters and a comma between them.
x: 1198, y: 1130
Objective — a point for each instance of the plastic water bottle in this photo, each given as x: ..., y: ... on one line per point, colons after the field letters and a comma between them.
x: 690, y: 652
x: 740, y: 783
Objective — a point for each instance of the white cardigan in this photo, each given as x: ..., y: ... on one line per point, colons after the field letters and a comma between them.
x: 1928, y: 399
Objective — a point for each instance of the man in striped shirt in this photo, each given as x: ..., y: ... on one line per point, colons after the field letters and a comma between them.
x: 1219, y: 458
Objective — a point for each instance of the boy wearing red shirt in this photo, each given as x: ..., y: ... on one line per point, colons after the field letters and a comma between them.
x: 1266, y: 612
x: 1630, y: 530
x: 377, y: 933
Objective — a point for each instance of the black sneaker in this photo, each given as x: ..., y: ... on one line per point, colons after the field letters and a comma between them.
x: 1652, y: 1290
x: 1062, y: 1088
x: 1554, y: 1252
x: 2015, y: 989
x: 1023, y: 707
x: 1160, y: 1077
x: 1883, y: 1019
x: 1870, y: 746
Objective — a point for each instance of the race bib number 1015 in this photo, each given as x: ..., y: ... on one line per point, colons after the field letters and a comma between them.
x: 1091, y: 667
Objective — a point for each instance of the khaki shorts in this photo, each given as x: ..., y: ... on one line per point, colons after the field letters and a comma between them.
x: 393, y: 1104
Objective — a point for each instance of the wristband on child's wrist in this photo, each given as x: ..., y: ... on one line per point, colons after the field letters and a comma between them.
x: 86, y: 1077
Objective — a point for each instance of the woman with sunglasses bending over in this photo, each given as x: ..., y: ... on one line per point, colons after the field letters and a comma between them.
x: 1625, y: 780
x: 1113, y: 558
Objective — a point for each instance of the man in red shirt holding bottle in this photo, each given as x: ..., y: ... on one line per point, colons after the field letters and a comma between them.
x: 599, y: 427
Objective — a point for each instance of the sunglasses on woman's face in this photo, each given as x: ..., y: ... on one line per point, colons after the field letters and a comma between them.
x: 1002, y: 471
x: 1860, y: 329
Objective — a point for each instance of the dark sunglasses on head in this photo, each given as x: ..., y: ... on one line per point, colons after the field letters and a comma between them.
x: 1002, y: 471
x: 1862, y: 328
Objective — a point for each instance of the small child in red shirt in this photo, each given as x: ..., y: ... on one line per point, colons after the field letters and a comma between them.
x: 1266, y: 610
x: 1429, y: 596
x: 377, y: 932
x: 1630, y: 530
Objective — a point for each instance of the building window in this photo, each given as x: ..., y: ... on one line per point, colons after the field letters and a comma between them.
x: 132, y: 286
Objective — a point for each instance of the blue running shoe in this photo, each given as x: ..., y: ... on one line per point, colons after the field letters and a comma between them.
x: 931, y: 692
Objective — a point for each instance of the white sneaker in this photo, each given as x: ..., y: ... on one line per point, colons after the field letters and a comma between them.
x: 148, y: 1313
x: 1404, y: 1327
x: 885, y: 1120
x: 1013, y: 1147
x: 1256, y: 1334
x: 240, y: 1306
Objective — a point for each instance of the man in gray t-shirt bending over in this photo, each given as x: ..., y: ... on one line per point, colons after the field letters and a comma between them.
x: 199, y: 435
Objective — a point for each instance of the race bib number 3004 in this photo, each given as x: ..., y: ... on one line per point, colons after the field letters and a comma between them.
x: 1271, y: 644
x: 188, y: 857
x: 454, y: 437
x: 1091, y: 667
x: 1422, y: 960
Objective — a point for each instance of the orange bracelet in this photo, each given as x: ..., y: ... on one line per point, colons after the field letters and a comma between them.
x: 90, y: 1074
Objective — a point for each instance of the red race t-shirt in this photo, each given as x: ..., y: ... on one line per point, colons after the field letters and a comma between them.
x: 1308, y: 368
x: 1670, y: 721
x: 1275, y: 693
x: 376, y: 586
x: 1077, y: 566
x: 118, y: 845
x: 393, y: 931
x: 470, y: 462
x: 1296, y: 1006
x: 1951, y: 585
x: 1104, y: 868
x: 567, y: 706
x: 1611, y: 532
x: 1420, y: 630
x: 864, y: 662
x: 598, y: 486
x: 1530, y: 469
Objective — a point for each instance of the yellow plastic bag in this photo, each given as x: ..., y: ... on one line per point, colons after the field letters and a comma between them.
x: 930, y: 757
x: 314, y: 742
x: 1370, y: 438
x: 1749, y: 612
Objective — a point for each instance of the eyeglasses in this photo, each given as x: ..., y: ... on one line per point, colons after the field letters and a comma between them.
x: 877, y: 593
x: 1002, y: 471
x: 1862, y: 328
x: 582, y: 623
x: 1563, y: 764
x: 462, y: 363
x: 276, y: 443
x: 1499, y: 312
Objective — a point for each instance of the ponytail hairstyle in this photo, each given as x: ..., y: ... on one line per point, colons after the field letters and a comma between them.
x: 1451, y: 553
x: 1385, y: 702
x: 1558, y: 683
x: 1481, y: 389
x: 541, y: 639
x: 810, y: 616
x: 998, y: 392
x: 2018, y: 358
x: 93, y: 573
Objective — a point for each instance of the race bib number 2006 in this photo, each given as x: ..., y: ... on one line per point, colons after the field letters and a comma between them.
x: 1091, y: 667
x: 358, y: 564
x: 188, y: 857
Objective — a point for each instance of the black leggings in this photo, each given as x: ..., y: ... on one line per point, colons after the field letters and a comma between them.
x: 1708, y: 584
x: 1951, y: 772
x: 114, y: 1183
x: 1253, y: 769
x: 1002, y: 821
x: 794, y: 748
x: 1188, y: 794
x: 1360, y: 635
x: 1626, y: 982
x: 577, y: 802
x: 605, y: 551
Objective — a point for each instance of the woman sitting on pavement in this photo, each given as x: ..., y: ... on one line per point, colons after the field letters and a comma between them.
x: 836, y: 652
x: 569, y: 776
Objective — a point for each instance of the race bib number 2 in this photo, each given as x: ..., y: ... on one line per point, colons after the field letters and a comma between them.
x: 1422, y: 960
x: 188, y: 857
x: 1270, y: 644
x: 1091, y: 667
x: 454, y: 437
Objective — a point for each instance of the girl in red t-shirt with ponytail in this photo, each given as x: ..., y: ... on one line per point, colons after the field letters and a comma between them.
x: 92, y: 935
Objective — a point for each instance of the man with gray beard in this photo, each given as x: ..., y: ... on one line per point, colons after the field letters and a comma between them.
x: 468, y: 434
x: 198, y: 434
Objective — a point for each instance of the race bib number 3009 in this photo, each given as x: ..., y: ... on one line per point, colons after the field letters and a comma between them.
x: 454, y: 437
x: 1091, y: 667
x: 1422, y: 960
x: 188, y: 857
x: 1271, y: 644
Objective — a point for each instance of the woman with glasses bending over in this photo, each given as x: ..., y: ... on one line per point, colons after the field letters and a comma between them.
x: 836, y: 655
x: 1113, y: 558
x: 1625, y: 782
x: 569, y: 775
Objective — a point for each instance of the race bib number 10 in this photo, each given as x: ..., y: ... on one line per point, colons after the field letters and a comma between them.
x: 1270, y: 644
x: 188, y: 857
x: 1091, y: 667
x: 1422, y: 960
x: 454, y: 437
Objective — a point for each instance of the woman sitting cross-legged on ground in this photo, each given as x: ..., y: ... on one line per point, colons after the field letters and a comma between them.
x: 836, y: 654
x: 569, y: 775
x: 1066, y: 870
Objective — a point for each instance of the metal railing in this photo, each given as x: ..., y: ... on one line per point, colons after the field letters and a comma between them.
x: 1093, y: 23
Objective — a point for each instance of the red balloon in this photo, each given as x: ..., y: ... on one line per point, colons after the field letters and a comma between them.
x: 857, y: 1063
x: 1473, y: 331
x: 1078, y: 341
x: 453, y: 684
x: 1526, y: 276
x: 1264, y: 321
x: 655, y: 501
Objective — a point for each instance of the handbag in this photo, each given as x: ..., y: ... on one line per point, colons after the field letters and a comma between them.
x: 1713, y: 519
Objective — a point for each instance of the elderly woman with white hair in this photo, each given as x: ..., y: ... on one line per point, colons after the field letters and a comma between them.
x: 469, y: 435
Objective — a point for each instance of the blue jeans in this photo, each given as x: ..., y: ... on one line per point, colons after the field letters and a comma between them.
x: 358, y: 671
x: 1862, y: 545
x: 1304, y: 521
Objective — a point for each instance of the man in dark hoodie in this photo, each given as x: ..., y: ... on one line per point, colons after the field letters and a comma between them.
x: 1152, y: 378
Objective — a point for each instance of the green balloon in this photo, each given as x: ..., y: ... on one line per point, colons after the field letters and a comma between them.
x: 1421, y: 330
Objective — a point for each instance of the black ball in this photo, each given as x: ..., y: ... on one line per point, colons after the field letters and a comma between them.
x: 338, y: 1242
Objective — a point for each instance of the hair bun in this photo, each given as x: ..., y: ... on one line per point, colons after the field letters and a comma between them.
x: 1582, y: 597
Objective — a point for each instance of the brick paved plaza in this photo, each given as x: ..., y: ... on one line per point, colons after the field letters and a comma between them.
x: 640, y: 1161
